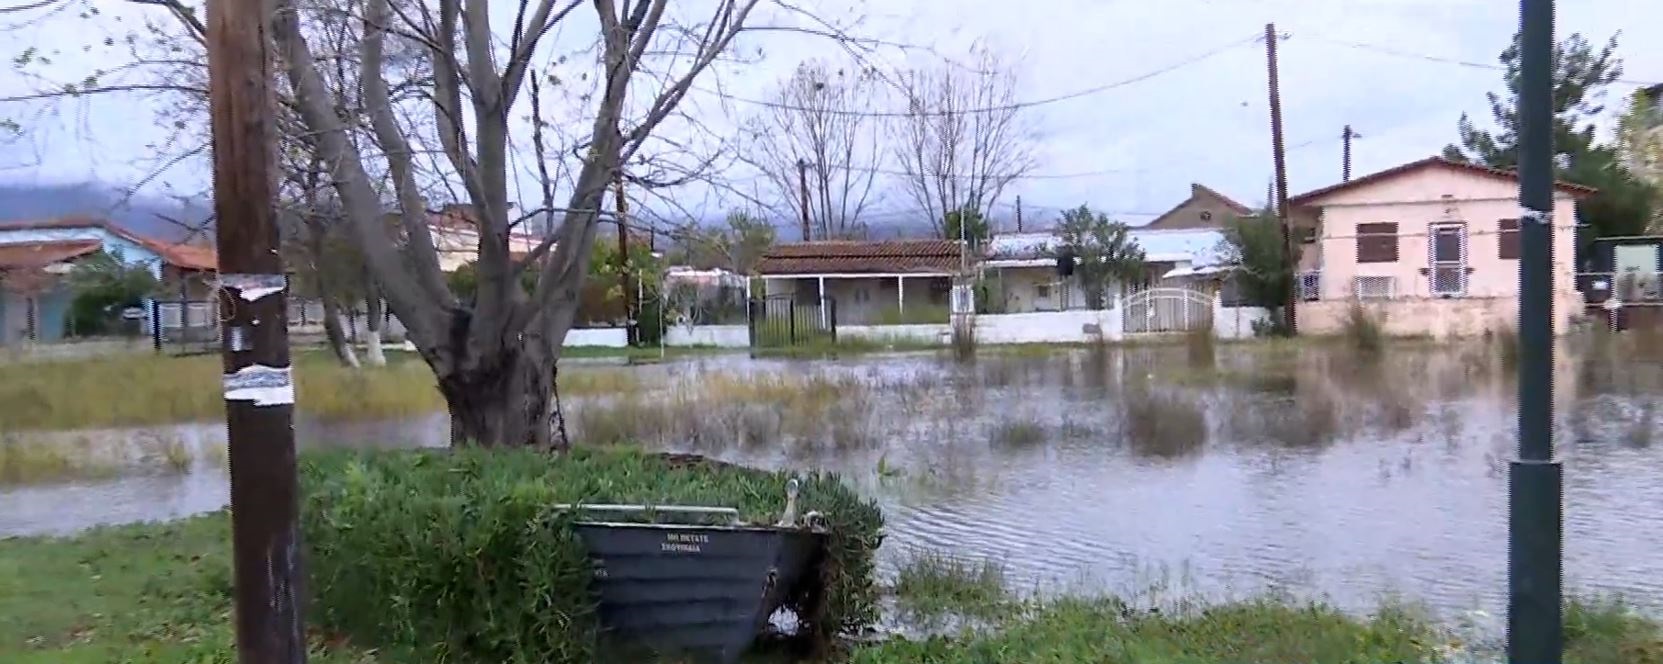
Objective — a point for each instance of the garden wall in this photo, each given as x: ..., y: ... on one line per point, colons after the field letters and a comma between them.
x: 609, y: 337
x: 928, y: 333
x: 1085, y: 326
x: 720, y: 336
x: 1237, y: 322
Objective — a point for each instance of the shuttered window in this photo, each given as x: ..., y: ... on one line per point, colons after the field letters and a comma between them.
x: 1377, y: 243
x: 1509, y: 238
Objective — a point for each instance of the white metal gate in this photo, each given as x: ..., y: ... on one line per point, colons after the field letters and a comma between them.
x: 1167, y: 309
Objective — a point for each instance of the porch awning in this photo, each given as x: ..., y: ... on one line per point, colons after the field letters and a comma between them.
x: 41, y: 254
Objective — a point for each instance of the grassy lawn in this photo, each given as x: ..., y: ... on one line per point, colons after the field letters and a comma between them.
x: 161, y: 594
x: 142, y: 594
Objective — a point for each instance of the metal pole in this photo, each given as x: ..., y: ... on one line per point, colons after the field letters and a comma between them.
x: 259, y: 392
x: 1535, y: 502
x: 1019, y: 214
x: 626, y: 290
x: 1281, y: 177
x: 802, y: 183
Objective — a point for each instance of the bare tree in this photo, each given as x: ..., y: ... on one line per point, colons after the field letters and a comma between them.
x: 962, y: 136
x: 495, y: 356
x: 819, y: 120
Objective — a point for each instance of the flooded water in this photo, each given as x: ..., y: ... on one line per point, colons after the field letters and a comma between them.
x: 1140, y: 471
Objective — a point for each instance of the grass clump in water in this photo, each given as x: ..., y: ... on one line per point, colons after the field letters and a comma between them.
x: 1362, y: 331
x: 462, y: 554
x: 1018, y: 433
x: 1607, y: 631
x: 1162, y: 425
x: 934, y: 584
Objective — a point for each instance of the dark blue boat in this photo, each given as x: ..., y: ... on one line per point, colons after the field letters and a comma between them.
x: 702, y: 589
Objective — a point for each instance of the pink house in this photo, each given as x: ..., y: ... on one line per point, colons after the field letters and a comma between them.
x: 1429, y: 248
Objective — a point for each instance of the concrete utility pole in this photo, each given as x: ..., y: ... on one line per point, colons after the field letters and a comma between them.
x: 802, y: 183
x: 1535, y: 545
x: 1281, y: 181
x: 259, y: 391
x: 1345, y: 153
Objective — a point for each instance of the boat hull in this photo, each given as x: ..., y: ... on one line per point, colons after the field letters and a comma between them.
x: 706, y: 590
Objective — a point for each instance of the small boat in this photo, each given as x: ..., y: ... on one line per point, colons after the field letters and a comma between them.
x: 699, y: 588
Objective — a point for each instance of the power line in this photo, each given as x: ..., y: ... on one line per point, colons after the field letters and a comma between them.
x: 987, y: 176
x: 1439, y: 59
x: 1000, y: 108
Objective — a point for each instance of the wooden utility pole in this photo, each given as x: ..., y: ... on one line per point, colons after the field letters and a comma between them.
x: 1282, y: 213
x: 1536, y: 481
x: 626, y: 281
x: 1019, y: 214
x: 259, y: 390
x: 1345, y: 153
x: 802, y: 182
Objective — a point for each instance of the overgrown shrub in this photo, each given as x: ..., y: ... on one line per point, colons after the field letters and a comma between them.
x: 462, y: 556
x: 1362, y: 331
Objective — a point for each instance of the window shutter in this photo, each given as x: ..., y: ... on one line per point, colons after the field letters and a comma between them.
x: 1509, y: 237
x: 1377, y: 243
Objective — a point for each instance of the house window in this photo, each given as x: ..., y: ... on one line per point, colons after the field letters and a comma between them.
x: 1448, y: 248
x: 1310, y: 286
x: 1377, y: 243
x: 1509, y: 238
x: 1042, y: 291
x: 1307, y: 235
x: 1373, y: 287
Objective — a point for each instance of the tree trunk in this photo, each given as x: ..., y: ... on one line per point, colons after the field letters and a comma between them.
x: 502, y: 401
x: 336, y: 336
x: 374, y: 314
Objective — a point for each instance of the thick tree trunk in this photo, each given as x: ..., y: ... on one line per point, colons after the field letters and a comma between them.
x: 374, y: 314
x: 336, y: 336
x: 505, y: 401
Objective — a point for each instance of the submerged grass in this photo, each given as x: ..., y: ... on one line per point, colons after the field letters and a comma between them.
x: 147, y: 390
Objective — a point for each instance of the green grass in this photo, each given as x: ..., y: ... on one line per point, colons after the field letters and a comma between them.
x: 144, y: 594
x: 1107, y: 631
x: 932, y: 584
x: 160, y: 594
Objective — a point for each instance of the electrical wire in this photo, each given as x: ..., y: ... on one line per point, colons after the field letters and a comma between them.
x: 1439, y: 59
x: 998, y: 108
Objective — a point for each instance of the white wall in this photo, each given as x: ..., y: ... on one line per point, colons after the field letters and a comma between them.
x: 933, y: 333
x: 610, y: 337
x: 1049, y: 327
x: 1236, y: 322
x: 720, y: 336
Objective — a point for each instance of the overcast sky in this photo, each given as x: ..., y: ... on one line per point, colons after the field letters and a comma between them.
x: 1134, y: 148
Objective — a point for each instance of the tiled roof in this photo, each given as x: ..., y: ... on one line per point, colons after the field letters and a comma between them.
x: 862, y: 257
x: 1307, y: 197
x: 40, y: 254
x: 177, y: 254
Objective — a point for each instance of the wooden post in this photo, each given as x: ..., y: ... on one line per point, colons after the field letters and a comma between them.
x: 259, y: 391
x: 1282, y: 212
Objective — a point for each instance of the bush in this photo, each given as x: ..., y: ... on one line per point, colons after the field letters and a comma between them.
x: 460, y: 555
x: 1362, y: 331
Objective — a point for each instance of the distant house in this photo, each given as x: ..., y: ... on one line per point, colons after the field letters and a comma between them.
x: 1024, y: 267
x: 1431, y: 247
x: 35, y: 256
x: 455, y: 232
x: 870, y: 281
x: 1204, y: 208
